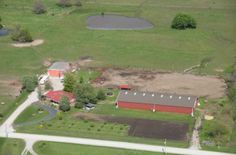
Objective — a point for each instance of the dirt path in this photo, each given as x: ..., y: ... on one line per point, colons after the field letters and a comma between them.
x: 208, y: 86
x: 36, y: 42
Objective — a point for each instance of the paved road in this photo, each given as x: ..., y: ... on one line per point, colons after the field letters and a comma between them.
x: 6, y: 130
x: 113, y: 144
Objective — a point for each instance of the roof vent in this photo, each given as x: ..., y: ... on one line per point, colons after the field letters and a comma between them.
x: 144, y: 94
x: 126, y: 93
x: 162, y: 95
x: 171, y: 96
x: 188, y: 98
x: 180, y: 97
x: 135, y: 93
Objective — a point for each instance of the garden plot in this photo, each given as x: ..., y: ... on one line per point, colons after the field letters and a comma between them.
x: 144, y: 127
x: 207, y: 86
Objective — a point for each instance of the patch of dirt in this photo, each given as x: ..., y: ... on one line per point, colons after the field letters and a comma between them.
x: 10, y: 87
x: 207, y: 86
x: 47, y: 62
x: 36, y: 42
x: 144, y: 127
x: 85, y: 60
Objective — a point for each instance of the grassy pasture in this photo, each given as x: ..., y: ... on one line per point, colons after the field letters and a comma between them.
x: 68, y: 38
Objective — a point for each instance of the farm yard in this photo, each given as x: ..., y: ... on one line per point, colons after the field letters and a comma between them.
x: 167, y: 82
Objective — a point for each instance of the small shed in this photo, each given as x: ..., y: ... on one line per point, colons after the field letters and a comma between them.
x: 58, y: 69
x: 125, y: 87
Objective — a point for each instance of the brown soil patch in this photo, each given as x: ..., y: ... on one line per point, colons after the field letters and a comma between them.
x: 33, y: 43
x: 208, y: 86
x: 10, y: 87
x: 144, y: 127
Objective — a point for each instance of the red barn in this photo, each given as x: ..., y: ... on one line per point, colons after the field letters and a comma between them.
x: 56, y: 96
x: 157, y: 101
x: 58, y: 69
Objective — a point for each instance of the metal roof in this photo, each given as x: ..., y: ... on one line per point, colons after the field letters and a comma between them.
x: 63, y: 66
x: 157, y: 98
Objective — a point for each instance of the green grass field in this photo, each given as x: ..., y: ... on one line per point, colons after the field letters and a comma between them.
x: 67, y: 38
x: 49, y: 148
x: 11, y: 146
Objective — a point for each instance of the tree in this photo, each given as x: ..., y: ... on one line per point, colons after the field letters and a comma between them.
x: 183, y: 21
x: 21, y: 35
x: 64, y: 104
x: 69, y: 83
x: 79, y: 105
x: 39, y: 7
x: 85, y: 93
x: 29, y: 83
x: 101, y: 95
x: 64, y: 3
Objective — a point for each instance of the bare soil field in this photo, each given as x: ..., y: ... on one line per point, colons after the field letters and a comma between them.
x: 10, y: 87
x: 203, y: 86
x: 144, y: 127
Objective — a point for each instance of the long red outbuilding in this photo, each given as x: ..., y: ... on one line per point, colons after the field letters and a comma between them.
x: 163, y: 102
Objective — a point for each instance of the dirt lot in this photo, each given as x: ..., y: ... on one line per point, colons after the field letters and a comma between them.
x: 208, y: 86
x: 10, y: 87
x: 144, y: 127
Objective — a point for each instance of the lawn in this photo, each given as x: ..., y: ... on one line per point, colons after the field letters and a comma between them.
x: 33, y: 112
x: 11, y: 146
x: 49, y: 148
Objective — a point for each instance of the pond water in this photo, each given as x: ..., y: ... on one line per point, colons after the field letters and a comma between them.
x: 3, y: 32
x: 116, y: 22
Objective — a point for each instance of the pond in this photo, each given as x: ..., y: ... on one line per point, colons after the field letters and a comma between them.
x: 3, y: 32
x: 116, y: 22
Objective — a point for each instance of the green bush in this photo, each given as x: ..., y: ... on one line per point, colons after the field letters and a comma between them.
x: 78, y: 3
x: 183, y: 21
x: 39, y: 7
x: 64, y: 104
x: 29, y: 83
x: 0, y: 23
x: 21, y: 35
x: 64, y: 3
x: 79, y: 105
x: 101, y: 95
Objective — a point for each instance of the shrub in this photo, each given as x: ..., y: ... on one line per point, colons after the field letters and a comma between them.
x: 183, y: 21
x: 64, y: 104
x: 0, y: 23
x: 79, y: 105
x: 101, y: 95
x: 48, y: 86
x: 78, y: 3
x: 64, y: 3
x: 1, y: 115
x: 39, y: 7
x: 21, y: 35
x: 29, y: 83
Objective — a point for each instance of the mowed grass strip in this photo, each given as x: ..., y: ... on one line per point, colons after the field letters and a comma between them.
x: 48, y: 148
